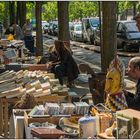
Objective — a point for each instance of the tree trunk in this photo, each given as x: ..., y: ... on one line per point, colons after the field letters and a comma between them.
x: 63, y: 21
x: 12, y: 11
x: 22, y: 13
x: 134, y: 8
x: 39, y: 42
x: 6, y: 15
x: 18, y: 12
x: 109, y: 48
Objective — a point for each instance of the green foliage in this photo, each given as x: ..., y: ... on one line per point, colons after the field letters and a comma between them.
x: 30, y: 6
x: 49, y: 11
x: 1, y: 11
x: 78, y: 10
x: 123, y: 5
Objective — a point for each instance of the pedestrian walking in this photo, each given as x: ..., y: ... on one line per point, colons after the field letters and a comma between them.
x: 28, y: 38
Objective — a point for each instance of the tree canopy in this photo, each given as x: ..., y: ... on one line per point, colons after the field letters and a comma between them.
x: 77, y: 9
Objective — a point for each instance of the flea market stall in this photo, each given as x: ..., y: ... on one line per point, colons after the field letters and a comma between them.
x: 33, y: 101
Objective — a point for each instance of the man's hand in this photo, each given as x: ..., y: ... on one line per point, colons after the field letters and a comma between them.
x: 49, y: 65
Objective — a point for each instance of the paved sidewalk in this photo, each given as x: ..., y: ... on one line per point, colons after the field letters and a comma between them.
x: 130, y: 85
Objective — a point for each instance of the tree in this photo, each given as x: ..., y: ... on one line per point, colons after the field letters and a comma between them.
x: 63, y: 21
x: 39, y: 41
x: 12, y: 11
x: 84, y: 9
x: 50, y: 11
x: 109, y: 43
x: 23, y: 13
x: 6, y: 15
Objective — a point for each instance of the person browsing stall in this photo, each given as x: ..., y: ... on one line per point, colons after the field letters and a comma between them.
x: 133, y: 100
x: 66, y: 65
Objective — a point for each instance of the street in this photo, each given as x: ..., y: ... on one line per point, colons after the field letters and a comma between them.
x: 83, y: 54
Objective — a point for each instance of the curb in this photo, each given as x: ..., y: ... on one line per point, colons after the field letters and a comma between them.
x: 97, y: 49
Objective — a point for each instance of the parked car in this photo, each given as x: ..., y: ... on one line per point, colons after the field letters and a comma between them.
x: 128, y: 35
x: 44, y: 23
x: 55, y: 29
x: 88, y: 28
x: 52, y: 28
x: 45, y: 28
x: 76, y: 32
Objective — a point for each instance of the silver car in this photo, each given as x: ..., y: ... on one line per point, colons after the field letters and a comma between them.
x: 76, y: 32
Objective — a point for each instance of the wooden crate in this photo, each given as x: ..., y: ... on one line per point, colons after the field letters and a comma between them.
x: 4, y: 114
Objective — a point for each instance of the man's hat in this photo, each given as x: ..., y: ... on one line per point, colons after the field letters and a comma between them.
x: 137, y: 16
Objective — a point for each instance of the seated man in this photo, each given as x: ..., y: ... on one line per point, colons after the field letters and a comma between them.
x: 133, y: 100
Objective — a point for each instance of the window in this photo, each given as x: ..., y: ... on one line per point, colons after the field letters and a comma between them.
x: 131, y: 27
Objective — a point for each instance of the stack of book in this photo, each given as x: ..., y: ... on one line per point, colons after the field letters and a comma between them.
x: 52, y: 108
x: 15, y: 84
x: 37, y: 110
x: 67, y: 108
x: 81, y: 108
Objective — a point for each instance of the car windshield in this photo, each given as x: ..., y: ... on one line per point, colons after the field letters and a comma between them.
x: 131, y: 27
x: 78, y: 28
x: 94, y: 22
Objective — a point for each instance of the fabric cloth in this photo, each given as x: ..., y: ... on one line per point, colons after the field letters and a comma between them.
x: 133, y: 100
x: 116, y: 101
